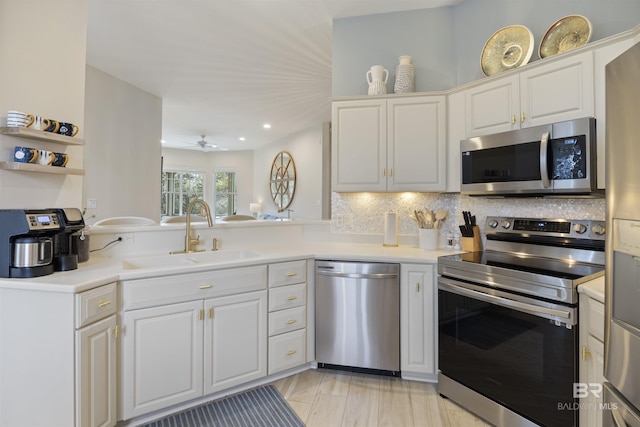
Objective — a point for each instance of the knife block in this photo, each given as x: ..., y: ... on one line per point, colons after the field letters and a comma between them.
x: 472, y: 244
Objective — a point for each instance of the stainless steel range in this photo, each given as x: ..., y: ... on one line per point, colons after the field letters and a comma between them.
x: 508, y: 317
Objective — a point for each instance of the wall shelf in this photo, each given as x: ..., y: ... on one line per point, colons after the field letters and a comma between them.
x: 30, y: 167
x: 22, y: 132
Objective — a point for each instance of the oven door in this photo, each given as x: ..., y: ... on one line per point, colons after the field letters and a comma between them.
x: 516, y: 351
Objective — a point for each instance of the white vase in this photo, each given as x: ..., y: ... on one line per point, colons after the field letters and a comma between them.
x: 405, y: 76
x: 377, y: 78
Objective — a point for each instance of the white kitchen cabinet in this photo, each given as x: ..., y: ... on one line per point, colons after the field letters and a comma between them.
x: 456, y: 132
x: 96, y: 374
x: 287, y: 315
x: 562, y: 89
x: 591, y: 314
x: 418, y: 322
x: 389, y: 144
x: 58, y: 364
x: 162, y: 358
x: 235, y: 340
x: 191, y: 335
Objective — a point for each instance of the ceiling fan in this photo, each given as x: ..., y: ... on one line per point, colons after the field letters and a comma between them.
x: 204, y: 144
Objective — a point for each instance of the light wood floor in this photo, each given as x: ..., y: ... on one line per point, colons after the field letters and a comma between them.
x: 330, y: 398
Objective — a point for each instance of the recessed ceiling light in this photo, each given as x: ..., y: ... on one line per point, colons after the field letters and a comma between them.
x: 266, y: 126
x: 242, y: 138
x: 162, y: 141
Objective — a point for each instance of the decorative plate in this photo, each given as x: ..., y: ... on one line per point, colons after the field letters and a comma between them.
x: 509, y: 47
x: 565, y: 34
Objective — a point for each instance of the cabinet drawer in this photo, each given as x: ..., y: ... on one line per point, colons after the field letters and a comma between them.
x: 287, y: 297
x: 287, y: 351
x: 177, y: 288
x: 287, y: 273
x: 596, y: 318
x: 287, y: 320
x: 96, y: 304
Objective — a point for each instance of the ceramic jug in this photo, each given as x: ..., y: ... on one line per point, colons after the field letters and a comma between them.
x: 377, y: 78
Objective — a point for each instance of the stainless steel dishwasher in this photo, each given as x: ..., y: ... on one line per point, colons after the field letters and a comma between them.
x: 358, y: 316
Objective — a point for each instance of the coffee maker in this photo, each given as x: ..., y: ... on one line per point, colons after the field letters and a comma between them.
x: 65, y: 256
x: 26, y: 242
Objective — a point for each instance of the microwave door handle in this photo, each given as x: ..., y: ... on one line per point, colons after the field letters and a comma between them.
x: 544, y: 171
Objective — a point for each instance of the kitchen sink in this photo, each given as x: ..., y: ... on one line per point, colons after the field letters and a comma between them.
x: 184, y: 259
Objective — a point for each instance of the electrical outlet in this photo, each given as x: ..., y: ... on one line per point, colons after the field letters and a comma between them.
x: 126, y: 238
x: 339, y: 220
x: 92, y: 203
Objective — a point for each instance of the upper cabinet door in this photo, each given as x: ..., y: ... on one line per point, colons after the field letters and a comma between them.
x: 358, y: 145
x: 416, y: 144
x: 493, y: 107
x: 562, y: 90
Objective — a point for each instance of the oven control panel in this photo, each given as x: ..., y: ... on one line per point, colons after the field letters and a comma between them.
x: 580, y: 229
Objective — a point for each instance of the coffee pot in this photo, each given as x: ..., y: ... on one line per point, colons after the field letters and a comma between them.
x: 26, y: 242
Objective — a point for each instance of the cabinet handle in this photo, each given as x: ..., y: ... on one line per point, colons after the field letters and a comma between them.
x: 292, y: 274
x: 211, y: 313
x: 290, y: 352
x: 513, y: 119
x: 585, y: 352
x: 291, y: 298
x: 116, y: 331
x: 384, y: 173
x: 522, y: 117
x: 291, y: 321
x: 104, y: 304
x: 390, y: 172
x: 417, y: 287
x: 206, y: 286
x: 201, y: 314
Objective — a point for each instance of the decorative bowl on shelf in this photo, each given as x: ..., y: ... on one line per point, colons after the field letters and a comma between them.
x: 565, y: 34
x: 509, y: 47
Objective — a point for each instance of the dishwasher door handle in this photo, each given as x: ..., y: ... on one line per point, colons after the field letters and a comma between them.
x: 357, y: 275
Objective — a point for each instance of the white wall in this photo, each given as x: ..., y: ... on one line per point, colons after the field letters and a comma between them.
x: 195, y: 160
x: 122, y: 154
x: 42, y: 72
x: 306, y: 149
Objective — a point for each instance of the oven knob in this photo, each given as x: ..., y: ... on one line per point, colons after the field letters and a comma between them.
x: 598, y: 230
x: 493, y: 223
x: 506, y: 224
x: 580, y: 228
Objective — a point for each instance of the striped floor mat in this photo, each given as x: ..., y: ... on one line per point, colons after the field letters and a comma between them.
x: 259, y: 407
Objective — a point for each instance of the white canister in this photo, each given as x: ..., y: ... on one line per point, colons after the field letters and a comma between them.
x: 428, y: 238
x: 390, y: 229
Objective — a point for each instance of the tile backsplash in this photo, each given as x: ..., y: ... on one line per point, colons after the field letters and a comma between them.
x: 363, y: 213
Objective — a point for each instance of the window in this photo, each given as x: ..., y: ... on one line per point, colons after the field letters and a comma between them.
x: 179, y: 189
x: 226, y: 193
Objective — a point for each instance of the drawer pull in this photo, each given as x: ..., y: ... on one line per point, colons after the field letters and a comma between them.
x: 206, y: 286
x: 290, y: 352
x: 291, y: 321
x: 291, y: 298
x: 417, y: 287
x: 585, y: 352
x: 104, y: 304
x: 292, y: 274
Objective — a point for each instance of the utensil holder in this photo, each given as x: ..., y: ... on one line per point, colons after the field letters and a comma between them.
x: 472, y: 244
x: 428, y: 238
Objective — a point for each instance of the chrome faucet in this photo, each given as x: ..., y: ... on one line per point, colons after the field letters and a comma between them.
x: 188, y: 241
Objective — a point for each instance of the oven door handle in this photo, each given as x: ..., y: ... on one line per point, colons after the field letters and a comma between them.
x: 503, y: 302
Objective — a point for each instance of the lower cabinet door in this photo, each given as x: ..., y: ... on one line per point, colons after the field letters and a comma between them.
x: 418, y: 314
x: 235, y: 340
x: 162, y: 357
x: 287, y: 351
x: 96, y: 374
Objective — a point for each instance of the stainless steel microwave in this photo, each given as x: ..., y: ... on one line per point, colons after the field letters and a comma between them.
x: 554, y: 159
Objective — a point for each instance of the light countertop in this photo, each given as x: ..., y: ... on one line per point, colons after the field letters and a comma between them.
x: 594, y: 289
x: 99, y: 271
